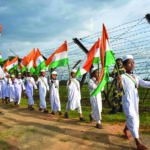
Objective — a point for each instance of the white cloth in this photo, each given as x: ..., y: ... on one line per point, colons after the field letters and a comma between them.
x: 54, y: 95
x: 43, y: 88
x: 130, y: 101
x: 96, y: 102
x: 20, y: 87
x: 29, y: 84
x: 74, y: 96
x: 7, y: 87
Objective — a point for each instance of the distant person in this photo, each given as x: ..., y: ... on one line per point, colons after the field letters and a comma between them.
x: 74, y: 96
x: 7, y: 81
x: 54, y: 94
x: 96, y: 101
x: 29, y: 85
x: 43, y: 88
x: 130, y: 99
x: 21, y: 87
x: 117, y: 91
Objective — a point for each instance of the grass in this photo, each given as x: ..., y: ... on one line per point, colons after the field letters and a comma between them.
x: 107, y: 118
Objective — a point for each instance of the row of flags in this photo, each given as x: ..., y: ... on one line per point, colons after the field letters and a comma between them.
x: 100, y: 52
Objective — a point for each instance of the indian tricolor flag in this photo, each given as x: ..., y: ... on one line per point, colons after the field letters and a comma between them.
x: 93, y: 57
x: 30, y: 58
x: 59, y: 57
x: 39, y: 61
x: 23, y: 64
x: 5, y: 65
x: 108, y: 60
x: 12, y: 65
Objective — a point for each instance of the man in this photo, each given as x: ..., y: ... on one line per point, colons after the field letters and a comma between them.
x: 29, y: 85
x: 43, y: 88
x: 117, y: 93
x: 7, y: 81
x: 130, y: 99
x: 74, y: 96
x: 20, y: 88
x: 96, y: 101
x: 54, y: 94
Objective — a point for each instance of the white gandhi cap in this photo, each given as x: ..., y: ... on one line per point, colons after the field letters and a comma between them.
x: 54, y: 72
x: 93, y: 69
x: 127, y: 57
x: 74, y: 70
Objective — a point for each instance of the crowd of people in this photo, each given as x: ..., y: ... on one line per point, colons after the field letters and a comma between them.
x: 126, y: 83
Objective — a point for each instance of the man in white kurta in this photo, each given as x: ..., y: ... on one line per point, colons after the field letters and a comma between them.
x: 43, y: 88
x: 29, y: 85
x: 96, y: 101
x: 14, y: 90
x: 54, y: 93
x: 21, y: 87
x: 130, y: 99
x: 74, y: 96
x: 7, y: 88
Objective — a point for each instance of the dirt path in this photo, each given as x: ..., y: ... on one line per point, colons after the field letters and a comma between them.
x: 21, y: 129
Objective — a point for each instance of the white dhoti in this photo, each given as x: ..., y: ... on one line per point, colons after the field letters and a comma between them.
x: 74, y: 96
x: 43, y: 88
x: 29, y: 84
x: 96, y: 102
x: 54, y: 95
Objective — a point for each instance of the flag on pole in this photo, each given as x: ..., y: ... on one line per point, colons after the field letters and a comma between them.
x: 12, y: 65
x: 39, y: 61
x: 107, y: 60
x: 5, y: 65
x: 59, y: 57
x: 30, y: 58
x: 23, y: 64
x: 92, y: 58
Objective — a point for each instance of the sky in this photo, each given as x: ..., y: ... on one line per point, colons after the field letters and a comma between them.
x: 45, y: 24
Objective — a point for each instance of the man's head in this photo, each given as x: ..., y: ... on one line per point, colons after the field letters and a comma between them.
x: 94, y: 73
x: 43, y: 73
x: 73, y: 73
x: 54, y: 75
x: 128, y: 63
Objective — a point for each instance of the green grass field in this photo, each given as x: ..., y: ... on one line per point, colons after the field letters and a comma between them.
x: 107, y: 118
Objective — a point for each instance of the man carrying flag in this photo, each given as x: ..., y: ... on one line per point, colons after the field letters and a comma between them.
x: 43, y: 88
x: 97, y: 83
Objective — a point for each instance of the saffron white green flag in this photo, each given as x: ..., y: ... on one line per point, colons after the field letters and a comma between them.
x: 12, y: 65
x: 59, y: 57
x: 109, y: 59
x: 93, y: 57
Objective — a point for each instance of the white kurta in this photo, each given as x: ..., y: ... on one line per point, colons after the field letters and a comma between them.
x: 96, y: 102
x: 43, y: 88
x: 20, y: 87
x: 130, y: 101
x: 74, y: 96
x: 13, y: 90
x: 7, y: 87
x: 54, y: 95
x: 29, y: 84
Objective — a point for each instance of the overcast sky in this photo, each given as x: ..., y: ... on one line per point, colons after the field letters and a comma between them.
x: 46, y: 24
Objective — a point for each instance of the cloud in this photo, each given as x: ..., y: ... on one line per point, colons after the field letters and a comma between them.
x: 46, y: 24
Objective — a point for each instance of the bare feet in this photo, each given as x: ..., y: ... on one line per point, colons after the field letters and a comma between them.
x: 127, y: 135
x: 142, y: 147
